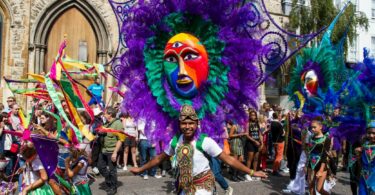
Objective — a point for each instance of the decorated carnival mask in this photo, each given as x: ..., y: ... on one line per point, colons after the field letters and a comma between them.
x: 310, y: 82
x: 185, y: 64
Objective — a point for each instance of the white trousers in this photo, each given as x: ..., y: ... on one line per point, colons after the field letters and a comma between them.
x: 298, y: 184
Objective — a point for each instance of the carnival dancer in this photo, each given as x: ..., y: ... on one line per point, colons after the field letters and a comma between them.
x: 35, y: 176
x: 367, y: 179
x: 294, y: 142
x: 317, y: 163
x: 296, y: 151
x: 76, y: 169
x: 195, y: 175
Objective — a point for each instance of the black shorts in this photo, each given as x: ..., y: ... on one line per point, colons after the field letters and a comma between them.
x: 130, y: 141
x: 251, y: 147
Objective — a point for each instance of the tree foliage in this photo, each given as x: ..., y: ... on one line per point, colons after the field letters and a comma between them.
x: 321, y: 13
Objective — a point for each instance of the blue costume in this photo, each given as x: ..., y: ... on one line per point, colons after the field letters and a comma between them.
x: 367, y: 180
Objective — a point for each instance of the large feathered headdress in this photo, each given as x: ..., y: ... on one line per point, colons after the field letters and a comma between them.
x: 232, y: 54
x: 238, y: 47
x: 325, y: 60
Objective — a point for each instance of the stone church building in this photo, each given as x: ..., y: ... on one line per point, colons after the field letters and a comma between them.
x: 32, y: 30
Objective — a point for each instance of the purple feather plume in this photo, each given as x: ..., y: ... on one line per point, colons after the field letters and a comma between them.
x: 240, y: 55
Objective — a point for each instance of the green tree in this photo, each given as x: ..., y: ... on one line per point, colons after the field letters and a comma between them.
x: 321, y: 13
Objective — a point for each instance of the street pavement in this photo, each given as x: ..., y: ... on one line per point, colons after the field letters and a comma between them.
x: 136, y: 185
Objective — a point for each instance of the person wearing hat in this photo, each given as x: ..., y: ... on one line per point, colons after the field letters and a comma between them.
x: 195, y: 175
x: 367, y: 177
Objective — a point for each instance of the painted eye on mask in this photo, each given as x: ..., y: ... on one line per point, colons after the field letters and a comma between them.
x: 190, y: 56
x: 171, y: 59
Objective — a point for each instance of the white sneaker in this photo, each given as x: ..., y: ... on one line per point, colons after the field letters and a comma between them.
x: 286, y: 191
x: 145, y: 177
x: 229, y: 191
x: 286, y: 170
x: 163, y: 173
x: 95, y: 170
x: 248, y: 178
x: 157, y: 176
x: 125, y: 168
x: 332, y: 183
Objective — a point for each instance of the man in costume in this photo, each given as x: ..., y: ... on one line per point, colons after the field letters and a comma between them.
x: 359, y: 112
x: 367, y: 178
x: 195, y: 175
x: 199, y: 53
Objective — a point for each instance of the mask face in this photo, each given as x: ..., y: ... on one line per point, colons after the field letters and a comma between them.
x: 185, y: 64
x: 310, y: 80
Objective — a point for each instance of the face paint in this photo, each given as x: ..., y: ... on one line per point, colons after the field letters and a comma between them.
x: 310, y: 80
x: 185, y: 64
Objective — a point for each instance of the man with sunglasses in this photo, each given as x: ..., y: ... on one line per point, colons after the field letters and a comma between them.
x: 195, y: 175
x: 10, y: 101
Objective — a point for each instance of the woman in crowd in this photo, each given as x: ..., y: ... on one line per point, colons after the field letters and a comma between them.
x: 35, y: 176
x: 48, y: 128
x: 317, y: 164
x: 130, y: 128
x: 76, y: 170
x: 86, y: 120
x: 263, y: 151
x: 254, y: 141
x: 6, y: 142
x: 47, y: 125
x: 236, y: 147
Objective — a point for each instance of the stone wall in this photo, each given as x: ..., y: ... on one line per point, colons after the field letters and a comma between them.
x: 17, y: 44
